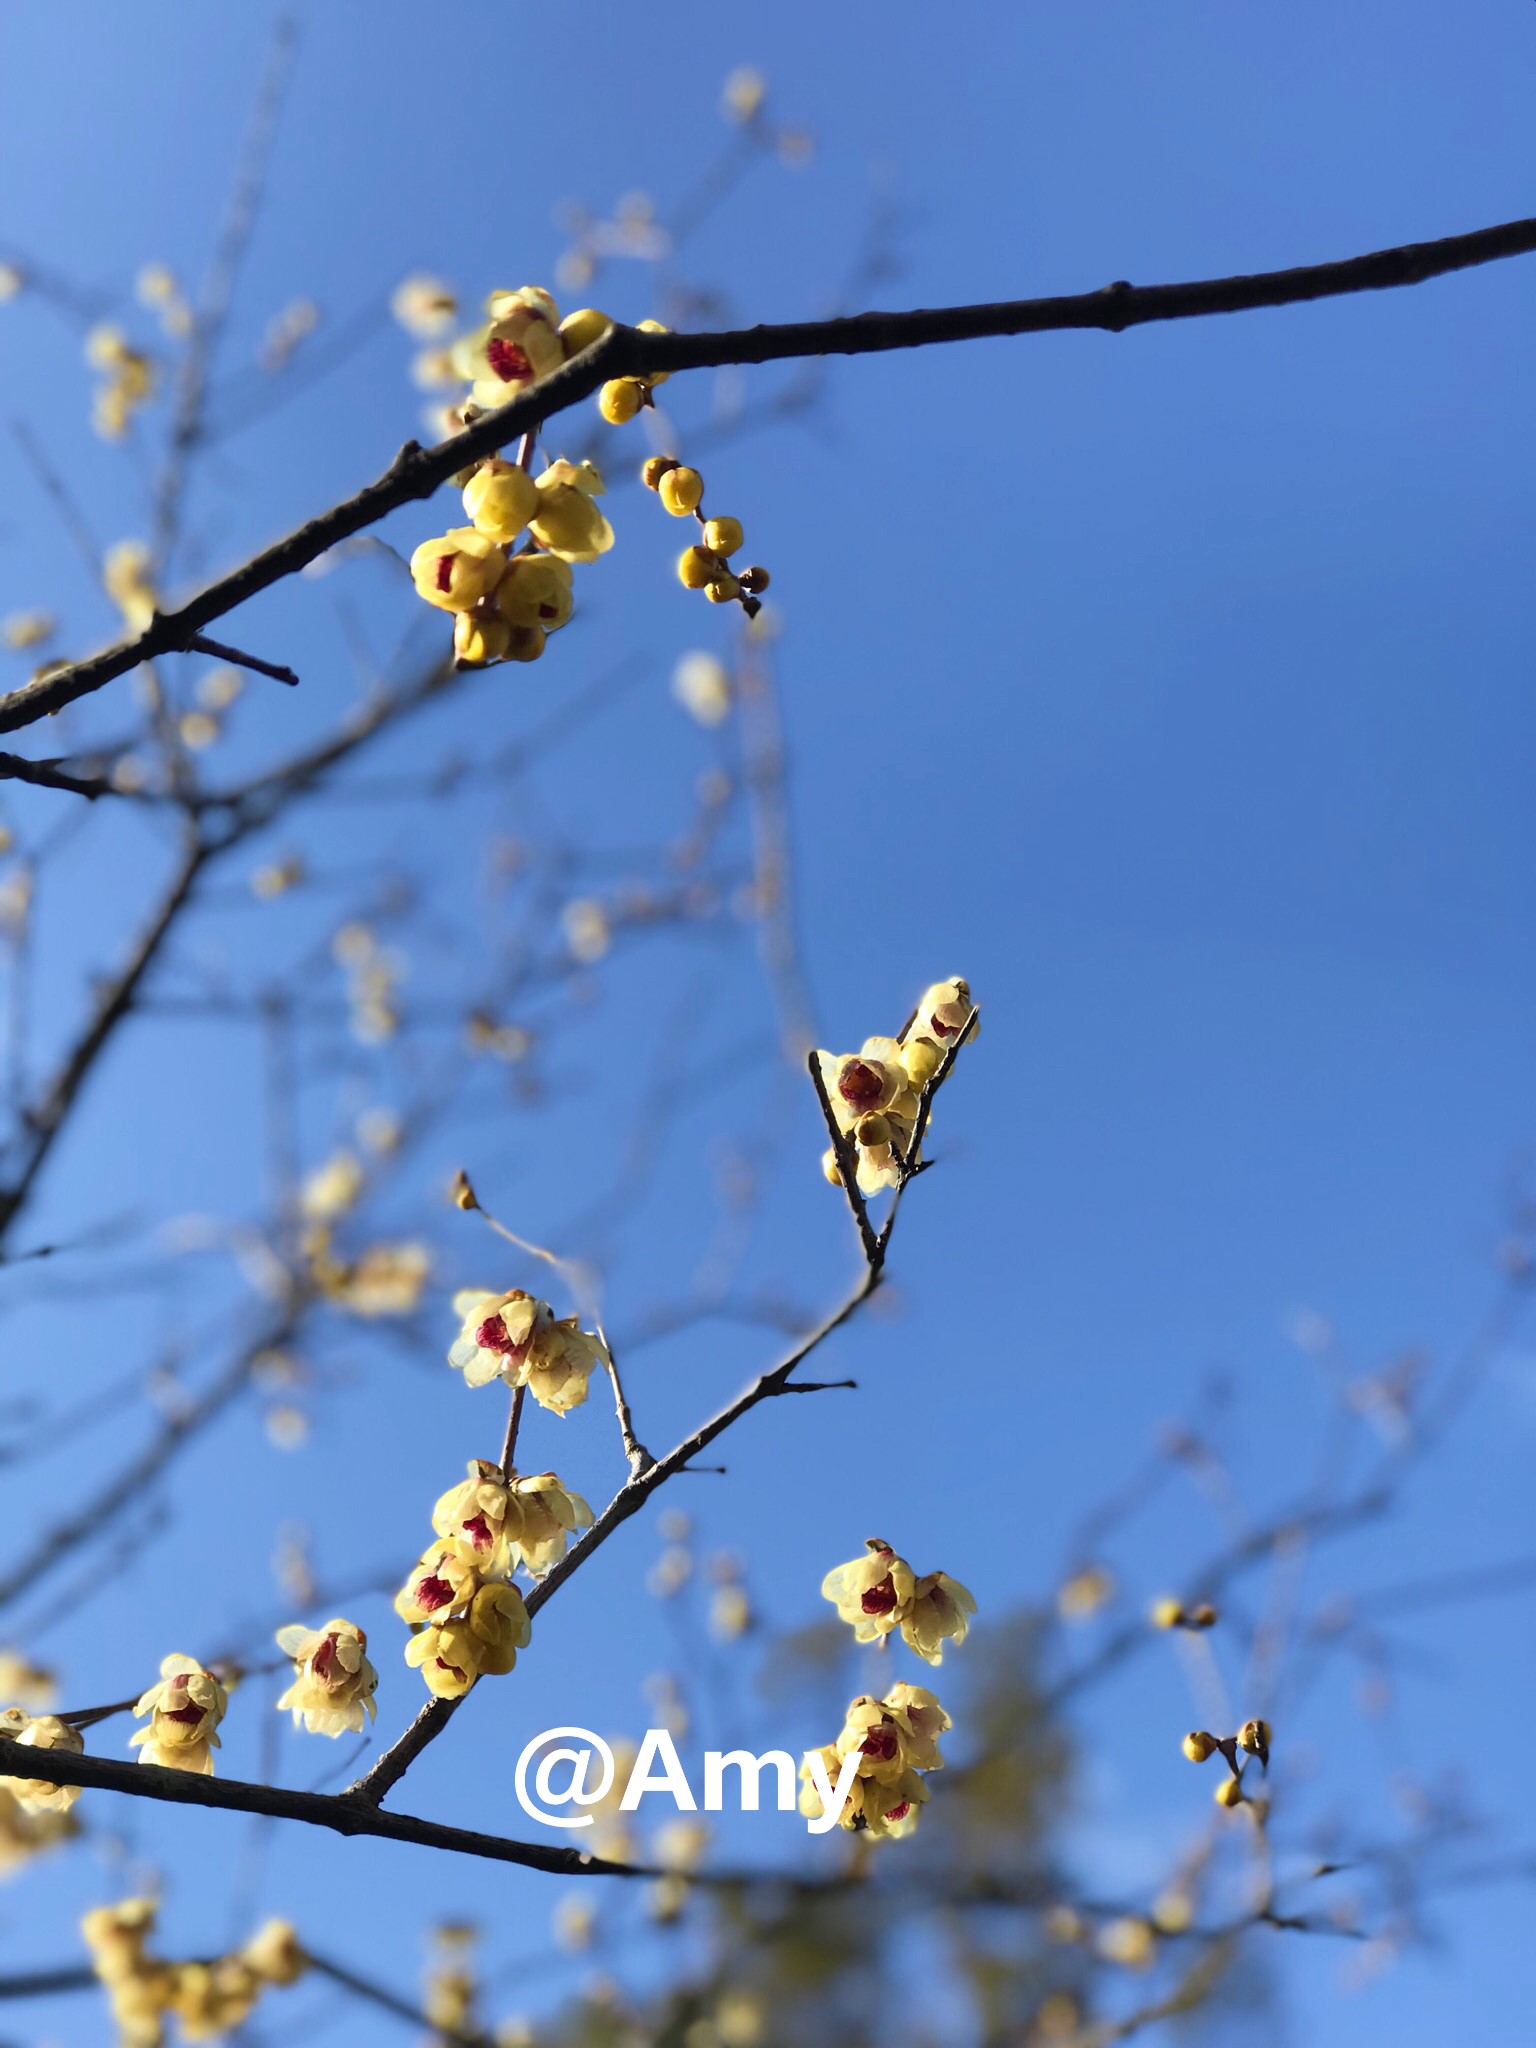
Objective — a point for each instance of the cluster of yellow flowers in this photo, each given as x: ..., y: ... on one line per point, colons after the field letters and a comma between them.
x: 507, y: 598
x: 896, y: 1739
x: 43, y: 1731
x: 519, y: 1339
x: 333, y: 1683
x: 880, y: 1592
x: 470, y: 1622
x: 706, y: 565
x: 1253, y: 1739
x: 874, y: 1093
x: 209, y: 1999
x: 127, y: 380
x: 31, y: 1817
x: 184, y: 1711
x: 384, y: 1279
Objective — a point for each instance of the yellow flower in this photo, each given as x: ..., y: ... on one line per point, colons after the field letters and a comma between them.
x: 331, y: 1189
x: 274, y: 1954
x: 500, y: 498
x: 942, y: 1012
x: 872, y: 1593
x: 882, y: 1810
x: 126, y: 580
x: 37, y: 1795
x: 25, y: 1682
x: 925, y: 1722
x: 458, y: 569
x: 520, y: 344
x: 567, y: 522
x: 496, y: 1334
x: 484, y: 1641
x: 27, y: 629
x: 211, y: 1999
x: 549, y: 1512
x: 941, y: 1608
x: 536, y: 591
x: 701, y: 683
x: 722, y: 536
x: 442, y: 1579
x: 866, y: 1083
x: 333, y: 1687
x: 387, y: 1280
x: 559, y: 1364
x: 424, y: 306
x: 879, y: 1736
x: 185, y: 1709
x: 483, y: 1517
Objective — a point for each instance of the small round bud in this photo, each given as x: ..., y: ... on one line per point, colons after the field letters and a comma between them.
x: 526, y: 643
x: 580, y: 329
x: 654, y: 327
x: 920, y: 1058
x: 682, y: 491
x: 500, y: 499
x: 1166, y: 1614
x: 723, y: 590
x: 723, y: 535
x: 830, y: 1168
x: 1203, y: 1616
x: 478, y: 639
x: 619, y: 400
x: 1254, y: 1737
x: 696, y: 567
x: 655, y: 467
x: 463, y: 1193
x: 754, y: 580
x: 874, y: 1130
x: 1198, y: 1746
x: 1229, y: 1792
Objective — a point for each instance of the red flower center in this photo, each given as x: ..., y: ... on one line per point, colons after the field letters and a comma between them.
x: 432, y: 1593
x: 445, y: 572
x: 880, y: 1599
x: 493, y: 1335
x: 189, y: 1715
x: 880, y: 1742
x: 899, y: 1812
x: 323, y: 1662
x: 478, y: 1530
x: 508, y: 361
x: 549, y: 611
x: 861, y: 1084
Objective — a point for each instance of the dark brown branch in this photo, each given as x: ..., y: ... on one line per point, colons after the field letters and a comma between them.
x: 201, y: 644
x: 417, y: 472
x: 49, y: 775
x: 343, y: 1813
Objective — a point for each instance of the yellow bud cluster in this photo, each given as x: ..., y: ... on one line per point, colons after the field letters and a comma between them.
x: 896, y: 1740
x: 622, y: 397
x: 1169, y: 1613
x: 706, y: 565
x: 1253, y: 1739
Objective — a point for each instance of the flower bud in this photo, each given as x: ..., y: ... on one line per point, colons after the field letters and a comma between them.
x: 455, y: 571
x: 478, y: 640
x: 830, y: 1168
x: 500, y: 499
x: 1203, y: 1616
x: 696, y: 567
x: 723, y: 590
x: 723, y: 536
x: 754, y: 580
x: 681, y: 491
x: 873, y: 1130
x: 1166, y: 1614
x: 619, y: 400
x: 580, y: 329
x: 1198, y: 1746
x: 1254, y: 1737
x: 920, y: 1057
x: 525, y: 644
x: 536, y: 591
x: 1229, y: 1792
x: 655, y: 467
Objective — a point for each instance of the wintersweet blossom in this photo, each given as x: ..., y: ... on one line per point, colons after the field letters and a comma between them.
x: 879, y: 1735
x: 483, y: 1516
x: 333, y: 1687
x: 185, y: 1709
x: 520, y: 344
x: 549, y: 1513
x: 865, y: 1083
x: 500, y: 499
x: 925, y: 1722
x: 442, y: 1579
x: 940, y: 1611
x: 568, y: 523
x: 47, y: 1731
x: 457, y: 569
x: 483, y: 1641
x: 496, y: 1332
x: 871, y: 1593
x: 274, y: 1953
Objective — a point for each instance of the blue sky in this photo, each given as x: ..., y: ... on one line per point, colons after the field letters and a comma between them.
x: 1174, y: 686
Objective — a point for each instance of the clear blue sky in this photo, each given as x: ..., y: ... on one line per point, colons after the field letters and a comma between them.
x: 1175, y: 687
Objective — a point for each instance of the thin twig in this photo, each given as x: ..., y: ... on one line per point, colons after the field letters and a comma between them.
x: 201, y: 644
